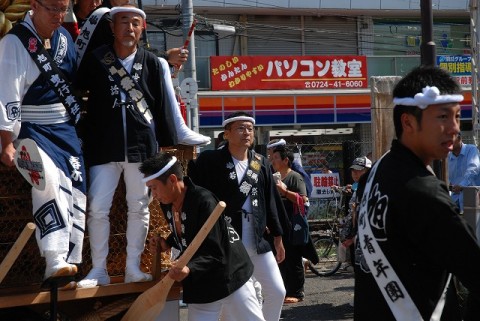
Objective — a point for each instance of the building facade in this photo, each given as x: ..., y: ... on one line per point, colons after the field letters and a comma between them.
x: 234, y: 39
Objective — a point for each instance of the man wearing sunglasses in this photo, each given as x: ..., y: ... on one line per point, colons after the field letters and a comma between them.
x: 38, y: 59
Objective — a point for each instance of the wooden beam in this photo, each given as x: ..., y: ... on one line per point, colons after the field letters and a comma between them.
x: 42, y: 297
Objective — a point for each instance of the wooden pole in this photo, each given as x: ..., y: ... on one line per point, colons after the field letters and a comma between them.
x: 14, y: 252
x: 151, y: 302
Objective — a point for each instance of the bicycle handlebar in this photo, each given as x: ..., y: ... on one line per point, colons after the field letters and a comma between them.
x: 340, y: 188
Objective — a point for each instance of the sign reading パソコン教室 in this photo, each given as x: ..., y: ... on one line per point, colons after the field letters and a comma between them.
x: 288, y: 72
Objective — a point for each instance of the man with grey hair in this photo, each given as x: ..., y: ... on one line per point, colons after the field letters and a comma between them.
x: 129, y: 113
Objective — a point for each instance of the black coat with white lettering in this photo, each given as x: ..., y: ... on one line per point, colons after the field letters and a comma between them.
x: 211, y: 171
x: 104, y: 136
x: 424, y: 239
x: 221, y: 265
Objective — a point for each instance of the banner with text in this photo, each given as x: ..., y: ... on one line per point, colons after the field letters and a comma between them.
x: 459, y: 66
x: 322, y: 184
x: 288, y: 72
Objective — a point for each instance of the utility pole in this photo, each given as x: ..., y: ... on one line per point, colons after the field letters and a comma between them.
x: 428, y: 57
x: 189, y: 67
x: 427, y: 47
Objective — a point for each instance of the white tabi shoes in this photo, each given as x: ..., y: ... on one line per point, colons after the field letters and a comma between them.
x: 186, y: 136
x: 136, y: 275
x: 56, y: 266
x: 96, y: 276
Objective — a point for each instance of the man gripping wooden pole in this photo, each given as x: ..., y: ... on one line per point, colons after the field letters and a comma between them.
x: 150, y: 303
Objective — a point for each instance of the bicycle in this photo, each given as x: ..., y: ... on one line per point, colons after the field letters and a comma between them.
x: 326, y: 238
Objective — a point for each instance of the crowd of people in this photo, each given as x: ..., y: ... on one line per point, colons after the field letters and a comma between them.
x: 404, y: 226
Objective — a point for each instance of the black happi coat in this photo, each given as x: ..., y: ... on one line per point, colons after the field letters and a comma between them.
x: 212, y: 170
x: 102, y: 34
x: 425, y: 240
x: 221, y: 265
x: 104, y: 135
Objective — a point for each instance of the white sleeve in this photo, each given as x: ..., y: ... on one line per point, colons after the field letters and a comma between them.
x: 19, y: 72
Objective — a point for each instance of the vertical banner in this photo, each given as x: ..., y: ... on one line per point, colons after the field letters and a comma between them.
x: 322, y: 183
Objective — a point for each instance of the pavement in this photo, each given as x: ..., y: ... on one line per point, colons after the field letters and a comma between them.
x: 326, y: 298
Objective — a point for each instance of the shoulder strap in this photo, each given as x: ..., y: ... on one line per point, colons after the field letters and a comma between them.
x: 390, y: 285
x: 86, y: 32
x: 249, y: 184
x: 49, y: 69
x: 124, y: 80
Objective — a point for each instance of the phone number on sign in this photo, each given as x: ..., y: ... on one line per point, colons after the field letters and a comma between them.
x: 333, y: 84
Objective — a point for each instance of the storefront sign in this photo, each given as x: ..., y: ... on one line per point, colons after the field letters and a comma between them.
x: 322, y: 184
x: 288, y: 72
x: 459, y: 66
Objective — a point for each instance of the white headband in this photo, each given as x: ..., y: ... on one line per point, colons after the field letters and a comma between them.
x: 116, y: 10
x: 231, y: 120
x: 160, y: 172
x: 281, y: 142
x: 428, y: 96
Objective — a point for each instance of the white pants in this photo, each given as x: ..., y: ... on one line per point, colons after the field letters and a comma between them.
x: 241, y: 305
x: 103, y: 183
x: 266, y: 272
x: 59, y: 213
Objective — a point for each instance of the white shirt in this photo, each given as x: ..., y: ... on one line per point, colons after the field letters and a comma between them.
x: 463, y: 170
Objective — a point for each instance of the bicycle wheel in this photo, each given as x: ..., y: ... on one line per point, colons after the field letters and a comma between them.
x: 328, y: 264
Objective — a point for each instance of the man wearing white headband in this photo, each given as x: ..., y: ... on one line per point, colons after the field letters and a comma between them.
x: 35, y: 52
x: 243, y: 179
x: 96, y: 31
x: 409, y: 229
x: 129, y: 115
x: 218, y: 275
x: 94, y: 20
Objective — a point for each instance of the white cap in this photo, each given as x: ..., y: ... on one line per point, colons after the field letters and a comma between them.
x: 116, y: 10
x: 280, y: 142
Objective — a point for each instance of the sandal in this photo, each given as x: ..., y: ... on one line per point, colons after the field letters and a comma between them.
x: 291, y: 299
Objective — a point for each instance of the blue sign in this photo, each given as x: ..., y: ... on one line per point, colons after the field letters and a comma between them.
x: 457, y: 65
